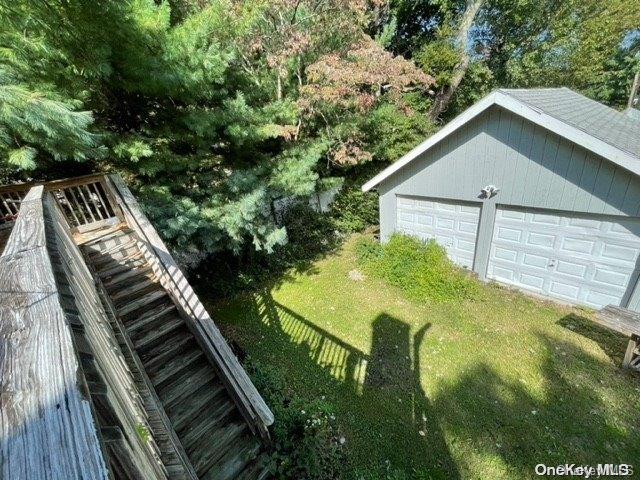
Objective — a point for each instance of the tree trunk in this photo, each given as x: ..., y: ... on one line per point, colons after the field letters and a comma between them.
x: 634, y: 90
x: 445, y: 94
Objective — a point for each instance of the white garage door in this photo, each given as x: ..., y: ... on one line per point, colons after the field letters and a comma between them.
x: 452, y: 225
x: 583, y: 260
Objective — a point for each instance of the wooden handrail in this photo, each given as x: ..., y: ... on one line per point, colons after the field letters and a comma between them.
x: 47, y: 429
x: 247, y: 398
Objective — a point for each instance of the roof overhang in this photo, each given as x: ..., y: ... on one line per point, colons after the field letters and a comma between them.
x: 620, y: 157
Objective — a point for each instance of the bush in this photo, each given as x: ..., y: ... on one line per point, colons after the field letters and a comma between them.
x: 420, y: 269
x: 308, y: 443
x: 226, y: 274
x: 353, y: 210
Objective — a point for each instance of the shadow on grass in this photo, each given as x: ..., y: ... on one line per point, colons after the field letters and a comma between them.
x: 496, y: 423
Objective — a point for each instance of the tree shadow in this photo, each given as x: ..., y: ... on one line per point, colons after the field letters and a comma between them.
x: 508, y: 423
x: 379, y: 394
x: 569, y: 423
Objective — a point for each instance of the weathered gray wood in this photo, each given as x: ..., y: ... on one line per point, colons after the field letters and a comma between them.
x: 47, y: 430
x: 247, y: 398
x: 631, y: 352
x: 173, y: 455
x: 121, y: 400
x: 620, y: 319
x: 626, y: 322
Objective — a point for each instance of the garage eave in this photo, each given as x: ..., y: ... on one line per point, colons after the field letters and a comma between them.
x: 616, y: 155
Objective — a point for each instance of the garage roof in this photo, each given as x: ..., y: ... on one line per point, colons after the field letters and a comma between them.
x: 596, y: 127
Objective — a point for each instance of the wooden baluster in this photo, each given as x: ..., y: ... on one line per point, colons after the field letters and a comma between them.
x: 16, y: 201
x: 77, y: 205
x: 84, y: 200
x: 69, y: 206
x: 92, y: 202
x: 102, y: 205
x: 7, y: 212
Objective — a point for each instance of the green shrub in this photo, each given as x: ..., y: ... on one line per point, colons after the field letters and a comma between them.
x: 226, y: 274
x: 420, y: 269
x: 353, y: 210
x: 307, y: 442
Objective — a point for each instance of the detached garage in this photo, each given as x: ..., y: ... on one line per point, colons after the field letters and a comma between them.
x: 538, y: 189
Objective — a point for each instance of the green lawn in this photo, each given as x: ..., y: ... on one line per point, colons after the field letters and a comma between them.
x: 477, y: 389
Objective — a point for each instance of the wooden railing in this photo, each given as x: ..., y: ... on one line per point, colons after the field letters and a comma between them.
x: 70, y: 405
x: 86, y: 202
x: 72, y: 207
x: 10, y: 198
x: 247, y: 398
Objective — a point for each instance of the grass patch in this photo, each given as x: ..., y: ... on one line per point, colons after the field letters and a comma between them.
x: 482, y: 387
x: 421, y: 269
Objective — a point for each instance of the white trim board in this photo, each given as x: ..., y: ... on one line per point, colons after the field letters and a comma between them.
x: 616, y: 155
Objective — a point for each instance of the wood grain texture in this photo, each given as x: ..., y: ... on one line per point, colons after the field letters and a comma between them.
x: 120, y: 404
x: 247, y: 398
x: 47, y: 430
x: 620, y: 319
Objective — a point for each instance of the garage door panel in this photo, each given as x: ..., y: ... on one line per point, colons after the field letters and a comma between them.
x: 573, y: 269
x: 586, y: 260
x: 536, y: 261
x: 573, y: 245
x: 543, y: 240
x: 506, y: 254
x: 564, y: 290
x: 543, y: 219
x: 509, y: 234
x: 532, y: 281
x: 620, y: 253
x: 452, y: 225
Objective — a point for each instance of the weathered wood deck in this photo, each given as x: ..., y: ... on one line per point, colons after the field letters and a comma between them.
x: 626, y: 322
x: 131, y: 375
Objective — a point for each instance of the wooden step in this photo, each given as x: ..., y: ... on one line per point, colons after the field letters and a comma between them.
x: 119, y: 256
x: 157, y: 330
x: 140, y: 302
x: 184, y: 412
x: 234, y: 461
x: 118, y: 231
x: 204, y: 426
x: 221, y: 440
x: 257, y: 470
x: 118, y: 294
x: 160, y: 354
x: 115, y: 267
x: 107, y: 247
x: 132, y: 273
x: 184, y: 384
x: 138, y: 323
x: 175, y: 366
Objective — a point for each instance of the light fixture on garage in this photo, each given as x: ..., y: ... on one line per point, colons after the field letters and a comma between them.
x: 489, y: 191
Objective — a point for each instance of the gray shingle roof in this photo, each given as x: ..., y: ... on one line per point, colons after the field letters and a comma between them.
x: 602, y: 122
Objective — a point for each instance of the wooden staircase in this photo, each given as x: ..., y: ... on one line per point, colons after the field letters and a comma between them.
x: 213, y: 433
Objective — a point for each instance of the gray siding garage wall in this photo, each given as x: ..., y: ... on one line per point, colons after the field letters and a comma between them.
x: 531, y: 166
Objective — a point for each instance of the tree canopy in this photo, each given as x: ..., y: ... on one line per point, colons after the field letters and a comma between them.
x: 214, y: 109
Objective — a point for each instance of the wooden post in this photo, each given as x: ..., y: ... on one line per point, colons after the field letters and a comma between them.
x: 631, y: 351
